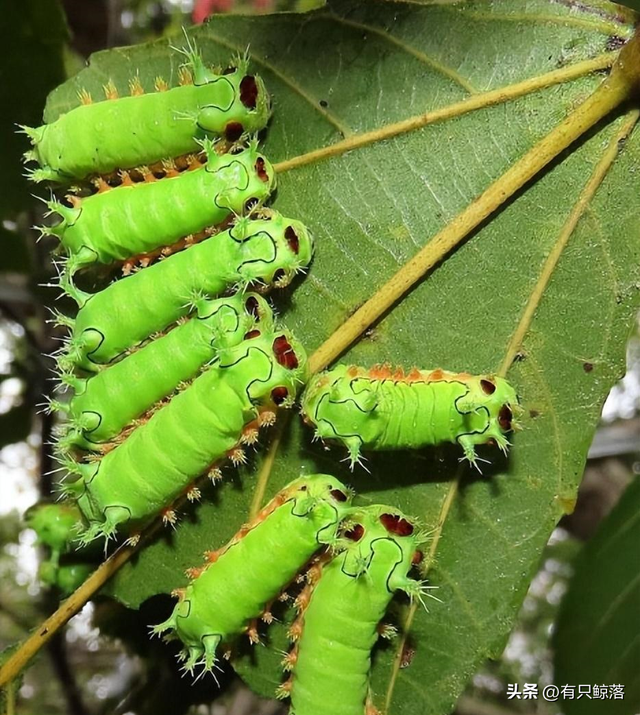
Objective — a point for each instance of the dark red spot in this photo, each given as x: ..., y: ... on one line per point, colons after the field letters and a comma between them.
x: 260, y: 170
x: 285, y: 355
x: 338, y: 495
x: 252, y: 334
x: 233, y: 131
x: 395, y: 524
x: 292, y: 239
x: 417, y: 557
x: 249, y: 91
x: 279, y: 395
x: 252, y: 307
x: 504, y: 418
x: 487, y: 387
x: 587, y: 366
x: 355, y: 533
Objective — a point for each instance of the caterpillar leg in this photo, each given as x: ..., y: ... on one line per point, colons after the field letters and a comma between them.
x: 468, y: 445
x: 42, y: 174
x: 113, y: 517
x: 211, y: 644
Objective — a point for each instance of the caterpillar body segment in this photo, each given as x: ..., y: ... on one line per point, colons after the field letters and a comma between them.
x: 268, y: 251
x: 141, y: 218
x: 126, y: 132
x: 201, y: 425
x: 56, y: 526
x: 256, y: 565
x: 104, y: 404
x: 66, y: 577
x: 382, y: 409
x: 339, y: 621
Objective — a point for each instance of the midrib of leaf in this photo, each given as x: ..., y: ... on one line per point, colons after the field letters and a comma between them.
x: 481, y: 100
x: 602, y: 168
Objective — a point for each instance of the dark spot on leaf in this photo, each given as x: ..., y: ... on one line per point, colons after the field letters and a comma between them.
x: 533, y: 414
x: 615, y: 42
x: 587, y: 366
x: 323, y: 103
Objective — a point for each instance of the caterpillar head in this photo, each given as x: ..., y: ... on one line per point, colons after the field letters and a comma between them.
x: 501, y: 403
x: 341, y: 406
x: 273, y: 249
x: 268, y: 366
x: 247, y: 109
x: 324, y: 499
x: 381, y: 542
x: 247, y: 176
x: 54, y: 524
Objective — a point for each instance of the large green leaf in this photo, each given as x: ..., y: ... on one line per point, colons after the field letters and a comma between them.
x: 597, y: 638
x: 354, y: 68
x: 32, y: 35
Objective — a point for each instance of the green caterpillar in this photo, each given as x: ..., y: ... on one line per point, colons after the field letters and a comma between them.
x: 140, y: 218
x: 103, y: 405
x: 56, y: 526
x: 340, y: 614
x: 380, y: 409
x: 243, y: 577
x: 126, y: 132
x: 207, y: 421
x: 266, y: 250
